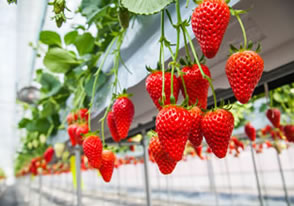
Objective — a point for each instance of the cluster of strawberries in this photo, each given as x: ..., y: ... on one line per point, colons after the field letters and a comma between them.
x: 175, y: 125
x: 119, y: 120
x: 276, y: 131
x: 39, y: 163
x: 77, y: 126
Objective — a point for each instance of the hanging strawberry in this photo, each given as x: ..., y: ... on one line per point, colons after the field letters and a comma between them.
x: 209, y: 23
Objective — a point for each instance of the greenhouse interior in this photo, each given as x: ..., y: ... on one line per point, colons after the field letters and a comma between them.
x: 147, y: 103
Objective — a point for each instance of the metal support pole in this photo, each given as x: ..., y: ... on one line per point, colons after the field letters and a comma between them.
x: 78, y: 175
x: 146, y: 171
x: 212, y: 180
x: 40, y: 190
x: 256, y: 176
x: 283, y: 179
x: 229, y: 180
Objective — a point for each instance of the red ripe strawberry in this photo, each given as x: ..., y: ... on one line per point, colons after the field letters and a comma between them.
x: 92, y: 147
x: 197, y: 87
x: 173, y: 125
x: 268, y: 144
x: 209, y: 23
x: 132, y: 148
x: 198, y: 151
x: 250, y: 131
x: 48, y: 154
x: 208, y: 150
x: 112, y: 127
x: 84, y: 114
x: 274, y: 116
x: 80, y: 131
x: 244, y: 69
x: 217, y: 127
x: 196, y: 135
x: 123, y: 113
x: 289, y: 132
x: 106, y: 169
x: 154, y: 87
x: 72, y: 133
x: 70, y: 118
x: 165, y: 164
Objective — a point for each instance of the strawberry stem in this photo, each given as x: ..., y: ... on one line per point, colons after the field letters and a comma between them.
x: 200, y: 68
x: 116, y: 60
x: 96, y: 79
x: 172, y: 97
x: 102, y: 124
x: 161, y: 58
x: 243, y: 29
x: 184, y: 85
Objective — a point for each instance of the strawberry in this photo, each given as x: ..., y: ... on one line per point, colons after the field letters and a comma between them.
x: 209, y: 23
x: 165, y: 164
x: 217, y: 127
x: 274, y: 116
x: 123, y: 113
x: 244, y: 69
x: 72, y: 133
x: 70, y: 118
x: 80, y: 131
x: 112, y: 127
x: 84, y: 114
x: 196, y: 85
x: 154, y: 87
x: 289, y: 132
x: 250, y: 131
x: 208, y: 150
x: 198, y: 151
x: 173, y: 125
x: 106, y: 169
x: 92, y: 147
x: 196, y: 135
x: 48, y: 154
x: 268, y: 144
x: 132, y: 148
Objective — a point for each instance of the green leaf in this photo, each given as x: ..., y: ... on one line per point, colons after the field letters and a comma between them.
x: 48, y: 109
x: 70, y: 37
x: 59, y: 60
x: 84, y: 43
x: 50, y: 84
x: 145, y: 7
x: 263, y: 107
x: 23, y: 122
x: 50, y: 38
x: 40, y: 125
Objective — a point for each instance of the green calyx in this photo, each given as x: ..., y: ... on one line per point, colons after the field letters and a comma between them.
x: 94, y: 133
x: 123, y: 94
x: 233, y: 49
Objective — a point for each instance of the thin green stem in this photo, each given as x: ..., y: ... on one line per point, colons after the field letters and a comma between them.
x: 172, y: 97
x: 200, y: 68
x: 96, y: 80
x: 187, y: 3
x: 163, y: 97
x: 186, y: 44
x: 243, y: 30
x: 178, y: 28
x: 161, y: 58
x: 102, y: 124
x: 184, y: 85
